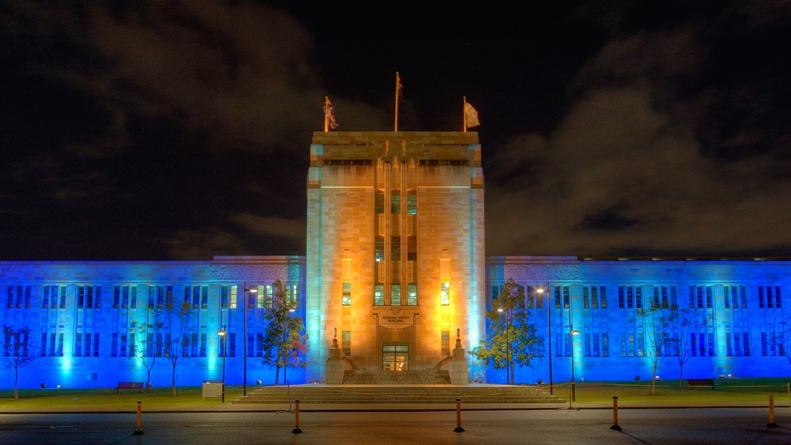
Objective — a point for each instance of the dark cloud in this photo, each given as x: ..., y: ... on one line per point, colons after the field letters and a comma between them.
x: 157, y: 120
x: 612, y: 218
x: 206, y: 243
x: 282, y: 227
x: 673, y: 143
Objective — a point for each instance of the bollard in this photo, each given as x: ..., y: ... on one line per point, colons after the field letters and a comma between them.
x: 615, y: 425
x: 139, y: 428
x: 771, y: 422
x: 297, y: 429
x: 572, y: 395
x: 458, y: 428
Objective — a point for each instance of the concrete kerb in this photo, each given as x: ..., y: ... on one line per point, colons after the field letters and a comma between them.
x: 306, y: 407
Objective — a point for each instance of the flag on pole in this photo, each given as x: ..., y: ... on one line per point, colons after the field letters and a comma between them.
x: 329, y: 115
x: 399, y: 92
x: 470, y: 116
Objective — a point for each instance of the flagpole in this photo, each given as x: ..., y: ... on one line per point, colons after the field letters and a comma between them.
x: 397, y: 88
x: 464, y: 114
x: 326, y: 114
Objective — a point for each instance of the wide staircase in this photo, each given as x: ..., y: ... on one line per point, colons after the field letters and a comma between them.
x: 411, y: 377
x: 402, y: 393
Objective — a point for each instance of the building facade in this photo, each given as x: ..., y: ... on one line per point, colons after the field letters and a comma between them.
x: 96, y: 323
x: 395, y: 248
x: 394, y: 279
x: 634, y: 318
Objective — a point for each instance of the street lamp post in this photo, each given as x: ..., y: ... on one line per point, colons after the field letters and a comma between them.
x: 222, y: 334
x: 540, y: 291
x: 286, y: 333
x: 245, y: 306
x: 572, y: 388
x: 507, y: 345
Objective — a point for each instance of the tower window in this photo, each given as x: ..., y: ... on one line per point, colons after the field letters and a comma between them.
x: 395, y: 203
x: 444, y: 293
x: 395, y: 294
x: 379, y: 253
x: 411, y: 203
x: 411, y: 298
x: 380, y: 202
x: 346, y: 300
x: 379, y: 295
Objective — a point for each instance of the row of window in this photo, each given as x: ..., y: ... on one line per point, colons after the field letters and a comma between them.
x: 395, y: 202
x: 86, y: 344
x: 126, y: 297
x: 395, y: 295
x: 694, y: 344
x: 194, y: 344
x: 632, y: 297
x: 595, y: 344
x: 159, y: 344
x: 151, y: 345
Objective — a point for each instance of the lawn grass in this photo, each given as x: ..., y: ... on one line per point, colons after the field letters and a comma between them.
x: 668, y: 393
x: 728, y: 392
x: 82, y: 400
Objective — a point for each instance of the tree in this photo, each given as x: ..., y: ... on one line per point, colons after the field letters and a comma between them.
x: 512, y: 338
x: 147, y: 344
x: 177, y: 347
x: 17, y: 351
x: 680, y: 323
x: 284, y: 343
x: 659, y: 341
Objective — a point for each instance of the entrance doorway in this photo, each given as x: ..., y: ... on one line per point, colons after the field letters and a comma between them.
x: 395, y: 357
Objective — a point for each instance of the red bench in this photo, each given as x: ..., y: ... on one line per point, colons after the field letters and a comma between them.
x: 129, y: 385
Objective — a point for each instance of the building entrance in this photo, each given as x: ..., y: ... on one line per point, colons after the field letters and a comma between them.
x: 395, y: 357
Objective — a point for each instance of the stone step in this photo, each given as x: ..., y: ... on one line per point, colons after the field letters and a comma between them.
x: 422, y: 377
x: 319, y: 393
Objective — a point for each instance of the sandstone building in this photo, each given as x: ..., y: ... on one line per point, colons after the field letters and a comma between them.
x: 395, y: 259
x: 394, y: 282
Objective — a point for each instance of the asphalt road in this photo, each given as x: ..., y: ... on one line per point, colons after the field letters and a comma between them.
x: 545, y: 426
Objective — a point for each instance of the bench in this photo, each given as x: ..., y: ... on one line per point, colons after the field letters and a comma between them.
x: 128, y: 385
x: 700, y: 382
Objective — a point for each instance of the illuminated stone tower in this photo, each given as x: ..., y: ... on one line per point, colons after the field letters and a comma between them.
x: 395, y: 252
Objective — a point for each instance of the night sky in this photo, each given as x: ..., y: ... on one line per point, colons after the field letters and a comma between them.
x: 151, y: 130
